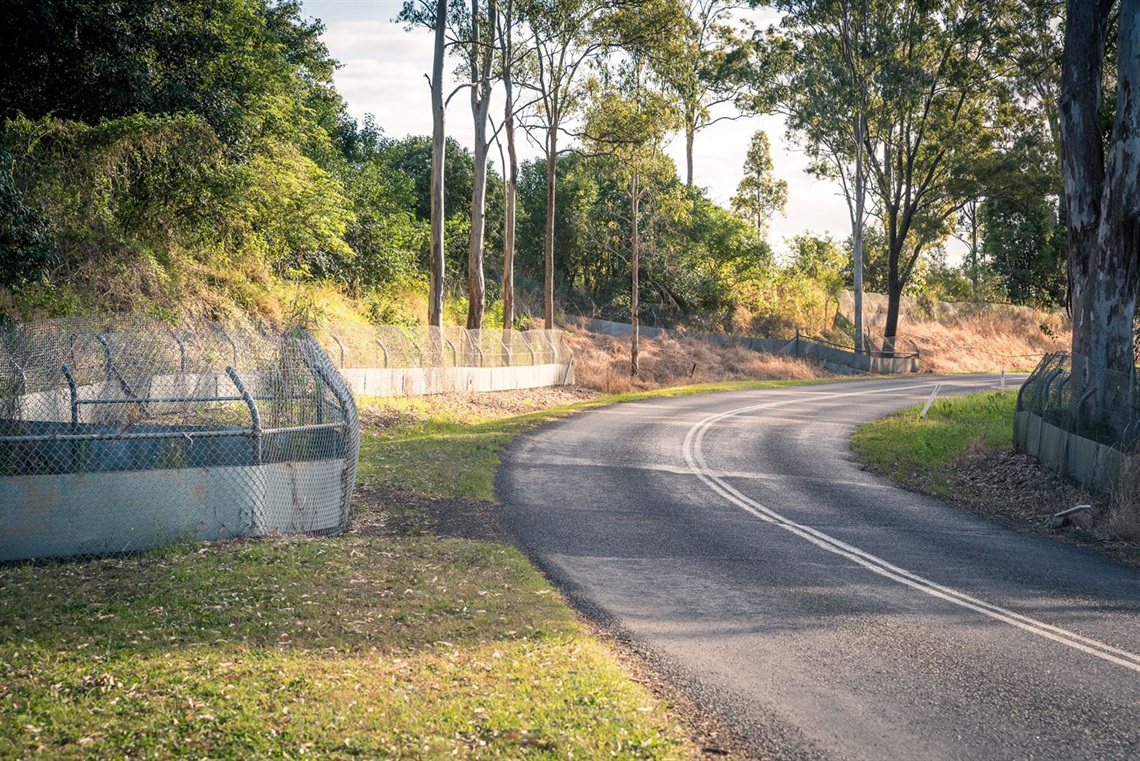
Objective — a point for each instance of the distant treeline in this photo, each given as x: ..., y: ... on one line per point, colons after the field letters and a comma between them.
x: 193, y: 157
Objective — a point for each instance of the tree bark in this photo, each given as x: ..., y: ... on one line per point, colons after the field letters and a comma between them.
x: 512, y: 175
x: 634, y: 266
x: 548, y: 251
x: 1082, y: 147
x: 1103, y: 202
x: 476, y: 284
x: 857, y: 232
x: 690, y: 136
x: 438, y: 146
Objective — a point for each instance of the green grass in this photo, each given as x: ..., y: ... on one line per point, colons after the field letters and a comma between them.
x: 348, y: 647
x: 345, y: 648
x: 921, y: 452
x: 454, y: 456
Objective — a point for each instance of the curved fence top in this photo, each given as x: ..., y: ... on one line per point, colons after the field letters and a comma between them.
x: 133, y: 393
x: 1049, y: 394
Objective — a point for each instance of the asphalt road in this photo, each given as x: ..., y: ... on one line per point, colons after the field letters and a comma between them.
x: 822, y: 612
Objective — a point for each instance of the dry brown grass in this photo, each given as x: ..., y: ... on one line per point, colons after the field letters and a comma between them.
x: 987, y: 341
x: 602, y: 363
x: 1123, y: 519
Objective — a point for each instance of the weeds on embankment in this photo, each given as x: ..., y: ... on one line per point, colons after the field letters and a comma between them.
x: 963, y: 452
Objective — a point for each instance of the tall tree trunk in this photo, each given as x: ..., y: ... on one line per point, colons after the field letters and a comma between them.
x: 476, y: 285
x: 1104, y: 217
x: 512, y: 188
x: 438, y: 146
x: 1082, y: 147
x: 482, y: 59
x: 857, y: 254
x: 634, y: 266
x: 551, y: 187
x: 690, y: 136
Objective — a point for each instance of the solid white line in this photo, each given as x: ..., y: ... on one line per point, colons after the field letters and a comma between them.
x: 694, y: 457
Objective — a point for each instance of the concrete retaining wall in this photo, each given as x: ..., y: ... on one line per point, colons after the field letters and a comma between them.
x: 415, y: 381
x: 834, y: 359
x: 96, y: 513
x: 1087, y: 462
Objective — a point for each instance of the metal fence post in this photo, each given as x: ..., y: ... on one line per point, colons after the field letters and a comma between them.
x: 254, y: 415
x: 73, y: 388
x: 339, y: 346
x: 181, y: 350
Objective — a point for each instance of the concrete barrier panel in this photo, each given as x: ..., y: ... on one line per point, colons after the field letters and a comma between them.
x: 97, y: 513
x: 417, y: 381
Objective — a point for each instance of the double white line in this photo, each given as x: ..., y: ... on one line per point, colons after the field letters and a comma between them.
x: 694, y: 457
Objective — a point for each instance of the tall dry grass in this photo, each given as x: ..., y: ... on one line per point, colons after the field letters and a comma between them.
x: 989, y: 340
x: 602, y: 363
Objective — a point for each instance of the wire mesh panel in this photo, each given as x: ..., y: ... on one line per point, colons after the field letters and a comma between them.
x: 389, y: 360
x: 1057, y: 428
x: 123, y: 433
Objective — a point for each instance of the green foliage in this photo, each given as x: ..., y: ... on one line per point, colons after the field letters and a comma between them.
x: 1026, y: 247
x: 920, y: 452
x: 27, y: 247
x: 759, y: 194
x: 250, y: 68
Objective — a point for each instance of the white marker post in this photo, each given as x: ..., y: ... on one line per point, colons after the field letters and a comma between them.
x: 930, y: 401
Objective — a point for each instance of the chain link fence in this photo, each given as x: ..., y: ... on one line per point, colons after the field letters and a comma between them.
x: 123, y: 433
x: 389, y: 360
x: 393, y: 346
x: 1059, y: 431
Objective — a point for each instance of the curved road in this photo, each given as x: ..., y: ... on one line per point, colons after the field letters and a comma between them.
x: 822, y: 612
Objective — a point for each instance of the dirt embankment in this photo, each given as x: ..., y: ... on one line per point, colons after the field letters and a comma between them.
x: 987, y: 340
x: 602, y: 363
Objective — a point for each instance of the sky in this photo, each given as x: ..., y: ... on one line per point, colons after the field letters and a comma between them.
x: 382, y: 73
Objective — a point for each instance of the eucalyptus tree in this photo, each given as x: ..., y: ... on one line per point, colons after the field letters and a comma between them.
x: 434, y: 16
x: 631, y: 120
x: 1102, y: 198
x: 903, y: 91
x: 479, y: 33
x: 510, y: 21
x: 567, y: 35
x: 714, y: 64
x: 759, y: 194
x: 824, y: 92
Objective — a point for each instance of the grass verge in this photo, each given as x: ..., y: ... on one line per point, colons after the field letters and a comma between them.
x: 452, y: 453
x: 963, y: 453
x: 377, y: 646
x: 924, y: 453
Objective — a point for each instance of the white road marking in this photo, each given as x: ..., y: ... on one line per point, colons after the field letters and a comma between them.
x: 694, y: 456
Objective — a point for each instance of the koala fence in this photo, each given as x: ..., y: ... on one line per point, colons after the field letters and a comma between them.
x: 118, y: 434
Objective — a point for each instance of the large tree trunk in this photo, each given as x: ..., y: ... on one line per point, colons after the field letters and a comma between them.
x: 1104, y: 217
x: 1082, y: 147
x: 476, y: 285
x: 438, y: 146
x: 551, y: 187
x: 634, y: 266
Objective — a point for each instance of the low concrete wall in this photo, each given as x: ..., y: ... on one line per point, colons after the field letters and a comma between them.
x: 834, y: 359
x: 416, y: 381
x: 96, y: 513
x: 1088, y: 462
